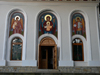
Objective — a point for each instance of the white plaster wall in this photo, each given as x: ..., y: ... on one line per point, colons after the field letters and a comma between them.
x: 2, y: 29
x: 64, y: 10
x: 94, y: 34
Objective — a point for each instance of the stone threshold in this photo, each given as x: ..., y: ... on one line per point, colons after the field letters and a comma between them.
x: 48, y: 70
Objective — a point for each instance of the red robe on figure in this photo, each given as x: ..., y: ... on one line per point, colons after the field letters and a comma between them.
x: 75, y: 28
x: 17, y: 26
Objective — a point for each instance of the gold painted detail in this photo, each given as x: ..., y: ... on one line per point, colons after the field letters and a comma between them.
x: 47, y: 41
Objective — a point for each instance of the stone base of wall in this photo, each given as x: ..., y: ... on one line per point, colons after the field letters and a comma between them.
x: 48, y: 74
x: 68, y: 70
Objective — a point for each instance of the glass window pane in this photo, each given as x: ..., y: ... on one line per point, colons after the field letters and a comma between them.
x: 77, y: 40
x: 77, y: 53
x: 17, y: 40
x: 16, y: 51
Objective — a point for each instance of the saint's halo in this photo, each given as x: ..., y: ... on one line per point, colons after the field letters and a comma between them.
x: 18, y: 17
x: 78, y: 17
x: 46, y: 17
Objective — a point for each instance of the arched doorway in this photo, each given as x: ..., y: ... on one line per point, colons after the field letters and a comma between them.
x: 47, y: 54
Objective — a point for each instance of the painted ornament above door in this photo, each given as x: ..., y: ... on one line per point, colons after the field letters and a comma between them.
x: 48, y: 24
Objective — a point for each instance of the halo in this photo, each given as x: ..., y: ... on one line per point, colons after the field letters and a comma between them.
x: 77, y: 17
x: 18, y: 17
x: 49, y: 16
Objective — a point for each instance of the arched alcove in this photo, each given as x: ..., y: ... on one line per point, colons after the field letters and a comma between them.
x: 85, y: 54
x: 87, y: 31
x: 11, y: 22
x: 10, y: 43
x: 37, y: 36
x: 84, y: 45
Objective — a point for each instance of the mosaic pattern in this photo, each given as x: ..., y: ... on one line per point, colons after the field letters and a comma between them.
x: 78, y: 24
x: 48, y: 24
x: 16, y: 23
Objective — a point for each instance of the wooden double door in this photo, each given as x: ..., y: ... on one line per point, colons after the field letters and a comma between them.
x: 47, y: 58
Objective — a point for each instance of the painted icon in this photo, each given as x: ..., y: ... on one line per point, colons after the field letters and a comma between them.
x: 48, y: 24
x: 78, y: 25
x: 17, y: 24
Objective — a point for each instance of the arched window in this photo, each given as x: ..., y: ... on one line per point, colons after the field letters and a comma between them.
x: 16, y: 23
x: 78, y: 24
x: 16, y: 49
x: 48, y: 24
x: 78, y: 54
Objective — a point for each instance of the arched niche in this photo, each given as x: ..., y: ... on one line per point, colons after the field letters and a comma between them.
x: 10, y: 43
x: 86, y: 40
x: 36, y: 31
x: 7, y: 37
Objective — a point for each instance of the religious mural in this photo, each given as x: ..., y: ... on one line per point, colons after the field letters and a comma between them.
x: 48, y: 24
x: 78, y: 25
x: 16, y: 23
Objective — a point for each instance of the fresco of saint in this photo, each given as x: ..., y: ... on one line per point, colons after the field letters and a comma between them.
x: 78, y: 25
x: 48, y: 24
x: 16, y: 25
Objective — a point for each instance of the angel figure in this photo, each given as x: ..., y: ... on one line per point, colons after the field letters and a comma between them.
x: 78, y: 26
x: 17, y: 25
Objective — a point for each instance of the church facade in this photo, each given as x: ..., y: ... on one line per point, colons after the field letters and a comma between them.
x: 50, y: 34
